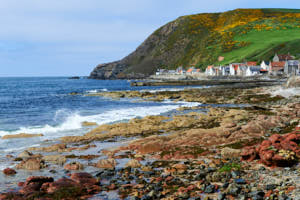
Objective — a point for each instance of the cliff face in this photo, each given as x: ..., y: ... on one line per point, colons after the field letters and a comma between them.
x: 198, y: 40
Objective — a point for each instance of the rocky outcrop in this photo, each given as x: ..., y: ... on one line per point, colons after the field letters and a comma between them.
x: 78, y: 186
x: 21, y: 135
x: 278, y: 150
x: 293, y: 81
x: 32, y: 164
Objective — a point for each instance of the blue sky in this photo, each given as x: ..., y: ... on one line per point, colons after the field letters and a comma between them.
x: 70, y: 37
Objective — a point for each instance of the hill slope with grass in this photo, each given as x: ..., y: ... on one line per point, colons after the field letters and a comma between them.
x: 199, y: 40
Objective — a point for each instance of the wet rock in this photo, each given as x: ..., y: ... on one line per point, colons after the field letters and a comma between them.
x: 25, y: 154
x: 9, y: 171
x: 52, y: 148
x: 34, y: 183
x: 21, y: 135
x: 32, y: 164
x: 133, y: 164
x: 73, y: 166
x: 65, y: 184
x: 85, y: 123
x: 56, y: 159
x: 107, y: 163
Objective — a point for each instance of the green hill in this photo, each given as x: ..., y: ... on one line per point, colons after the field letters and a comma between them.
x: 199, y: 40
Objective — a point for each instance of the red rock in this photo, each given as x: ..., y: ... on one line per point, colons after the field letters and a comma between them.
x: 73, y: 166
x: 9, y: 171
x: 276, y: 151
x: 84, y: 178
x: 248, y: 154
x: 62, y: 184
x: 34, y: 183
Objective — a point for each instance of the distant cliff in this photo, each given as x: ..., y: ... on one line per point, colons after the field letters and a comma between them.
x: 210, y: 38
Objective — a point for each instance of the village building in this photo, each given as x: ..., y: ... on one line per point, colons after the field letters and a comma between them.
x: 292, y: 67
x: 237, y: 69
x: 282, y: 57
x: 210, y: 71
x: 265, y: 65
x: 253, y: 70
x: 277, y: 68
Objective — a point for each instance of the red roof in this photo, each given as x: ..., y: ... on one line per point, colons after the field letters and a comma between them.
x: 210, y: 66
x: 283, y: 57
x: 251, y: 63
x: 263, y: 70
x: 278, y: 64
x: 190, y: 70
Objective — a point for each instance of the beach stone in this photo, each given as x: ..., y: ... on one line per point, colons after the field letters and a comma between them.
x: 31, y: 164
x: 133, y: 164
x: 9, y: 171
x: 56, y: 159
x: 73, y: 166
x: 107, y: 163
x: 230, y: 153
x: 21, y: 135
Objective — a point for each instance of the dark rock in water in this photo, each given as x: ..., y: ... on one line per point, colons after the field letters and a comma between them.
x: 210, y: 189
x: 74, y: 77
x: 9, y: 171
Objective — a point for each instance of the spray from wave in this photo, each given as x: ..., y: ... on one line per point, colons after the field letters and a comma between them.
x: 70, y: 121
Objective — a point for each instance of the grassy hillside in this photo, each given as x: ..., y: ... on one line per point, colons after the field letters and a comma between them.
x: 198, y: 40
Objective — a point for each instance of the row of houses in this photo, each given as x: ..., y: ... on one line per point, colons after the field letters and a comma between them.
x: 178, y: 71
x: 280, y: 65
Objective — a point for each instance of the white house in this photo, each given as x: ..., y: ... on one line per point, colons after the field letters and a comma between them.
x: 265, y: 65
x: 253, y: 70
x: 210, y: 71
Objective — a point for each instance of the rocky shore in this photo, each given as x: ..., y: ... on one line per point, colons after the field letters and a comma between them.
x: 240, y: 143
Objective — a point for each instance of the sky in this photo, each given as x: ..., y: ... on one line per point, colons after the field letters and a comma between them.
x: 70, y: 37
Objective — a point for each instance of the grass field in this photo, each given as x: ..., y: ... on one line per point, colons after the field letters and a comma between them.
x: 262, y: 43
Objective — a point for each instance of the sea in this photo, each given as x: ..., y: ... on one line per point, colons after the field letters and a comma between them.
x: 43, y: 105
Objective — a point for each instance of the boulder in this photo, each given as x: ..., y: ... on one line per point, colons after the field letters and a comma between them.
x: 230, y: 153
x: 31, y: 164
x: 56, y: 159
x: 74, y: 166
x: 133, y: 164
x: 9, y: 171
x: 21, y: 135
x: 277, y: 151
x: 63, y: 184
x: 25, y: 154
x: 107, y: 163
x: 34, y: 183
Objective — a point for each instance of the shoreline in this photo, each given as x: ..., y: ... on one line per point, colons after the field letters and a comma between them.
x: 169, y: 149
